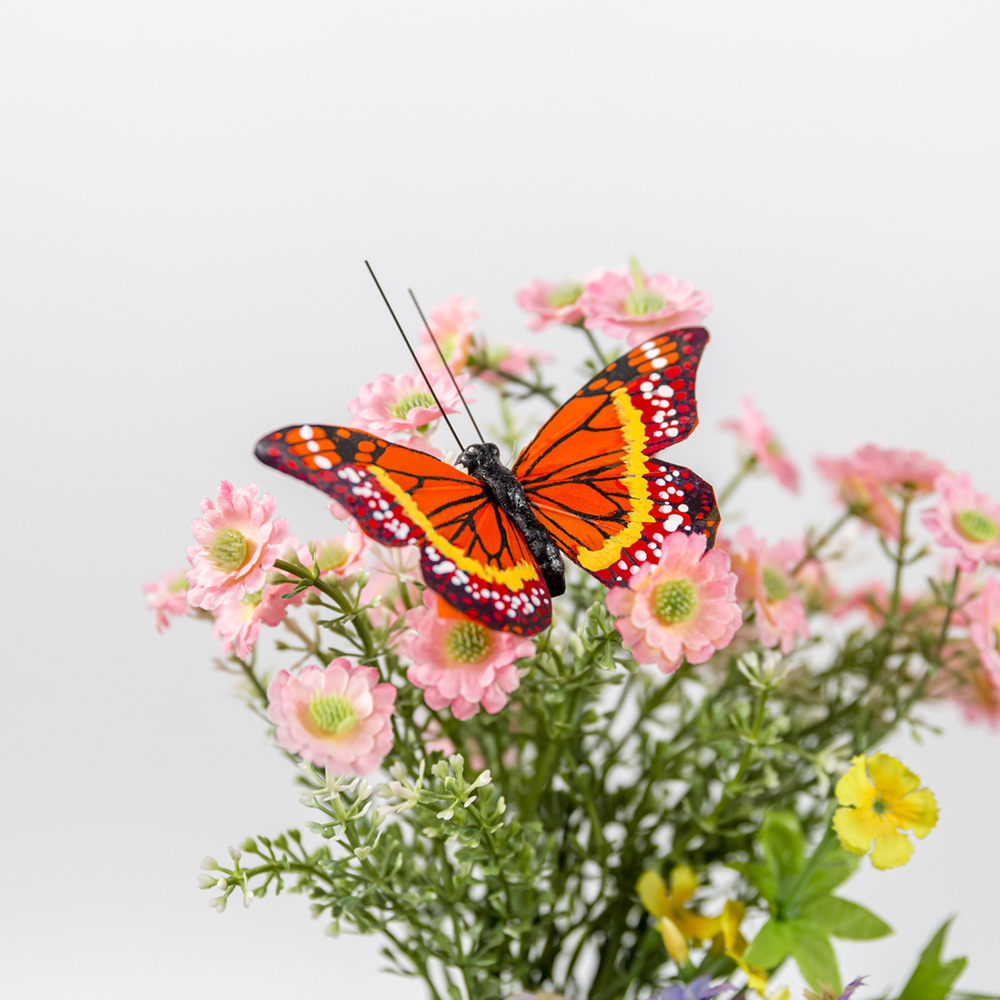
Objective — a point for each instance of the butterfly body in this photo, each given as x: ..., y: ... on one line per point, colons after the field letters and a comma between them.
x: 588, y: 487
x: 483, y: 462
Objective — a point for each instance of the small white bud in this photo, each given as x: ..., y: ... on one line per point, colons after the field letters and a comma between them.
x: 247, y: 898
x: 222, y: 885
x: 210, y: 865
x: 219, y: 903
x: 207, y: 881
x: 235, y: 853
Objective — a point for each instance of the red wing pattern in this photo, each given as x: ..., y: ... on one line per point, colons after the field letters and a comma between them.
x: 587, y: 473
x: 471, y: 553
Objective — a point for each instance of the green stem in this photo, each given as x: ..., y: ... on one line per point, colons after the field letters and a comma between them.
x: 247, y: 669
x: 815, y: 859
x: 943, y: 635
x: 741, y: 473
x: 814, y: 548
x: 900, y: 561
x: 602, y: 361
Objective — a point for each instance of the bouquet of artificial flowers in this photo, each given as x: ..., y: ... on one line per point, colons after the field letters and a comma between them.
x: 655, y: 784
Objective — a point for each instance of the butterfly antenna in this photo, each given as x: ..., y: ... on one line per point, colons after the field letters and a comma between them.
x: 413, y: 355
x: 444, y: 361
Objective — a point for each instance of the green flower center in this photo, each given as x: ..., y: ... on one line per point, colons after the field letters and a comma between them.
x: 402, y: 407
x: 641, y: 300
x: 178, y: 585
x: 674, y: 601
x: 879, y: 806
x: 775, y: 584
x: 976, y: 527
x: 467, y: 642
x: 332, y: 713
x: 564, y: 295
x: 331, y: 556
x: 228, y: 549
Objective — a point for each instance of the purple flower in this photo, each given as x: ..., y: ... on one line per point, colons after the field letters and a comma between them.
x: 851, y: 987
x: 827, y: 994
x: 697, y: 989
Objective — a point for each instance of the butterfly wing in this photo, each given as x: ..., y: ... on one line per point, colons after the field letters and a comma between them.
x: 589, y: 474
x: 470, y: 551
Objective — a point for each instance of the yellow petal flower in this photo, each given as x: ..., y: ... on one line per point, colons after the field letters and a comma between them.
x: 892, y: 780
x: 652, y: 893
x: 854, y: 788
x: 891, y: 850
x: 880, y: 799
x: 854, y: 830
x: 673, y: 940
x: 677, y: 924
x: 683, y: 883
x: 917, y: 812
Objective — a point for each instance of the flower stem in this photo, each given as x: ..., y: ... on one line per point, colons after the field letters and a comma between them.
x: 741, y: 473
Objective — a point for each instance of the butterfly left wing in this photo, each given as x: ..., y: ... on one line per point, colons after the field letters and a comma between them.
x: 470, y: 552
x: 589, y: 474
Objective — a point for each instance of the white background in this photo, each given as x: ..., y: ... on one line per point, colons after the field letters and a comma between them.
x: 188, y: 191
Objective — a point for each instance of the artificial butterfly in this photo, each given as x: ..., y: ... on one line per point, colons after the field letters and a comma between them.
x: 587, y: 486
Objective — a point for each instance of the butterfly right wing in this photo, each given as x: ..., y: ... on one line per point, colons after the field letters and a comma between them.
x: 471, y: 552
x: 589, y: 474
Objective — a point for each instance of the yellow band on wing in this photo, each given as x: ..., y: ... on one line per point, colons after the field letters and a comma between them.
x: 635, y: 481
x: 513, y: 578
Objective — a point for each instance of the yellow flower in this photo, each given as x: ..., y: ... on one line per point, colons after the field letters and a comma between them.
x: 880, y: 799
x: 677, y: 924
x: 733, y: 943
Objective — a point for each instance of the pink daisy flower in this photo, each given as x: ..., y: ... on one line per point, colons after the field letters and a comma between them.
x: 552, y: 303
x: 238, y: 625
x: 764, y: 447
x: 458, y: 662
x: 858, y: 488
x: 764, y: 578
x: 684, y: 607
x: 983, y: 617
x: 977, y: 692
x: 167, y: 596
x: 639, y: 306
x: 894, y: 468
x: 965, y: 520
x: 452, y: 322
x: 237, y: 545
x: 404, y: 404
x: 337, y: 718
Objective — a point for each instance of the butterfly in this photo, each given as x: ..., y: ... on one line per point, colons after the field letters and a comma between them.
x: 587, y: 487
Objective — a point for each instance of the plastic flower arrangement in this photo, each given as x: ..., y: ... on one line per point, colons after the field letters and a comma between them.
x: 662, y: 792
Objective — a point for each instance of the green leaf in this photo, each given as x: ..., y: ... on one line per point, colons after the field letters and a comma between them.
x: 761, y: 877
x: 843, y: 919
x: 813, y: 954
x: 835, y: 868
x: 932, y: 978
x: 770, y: 947
x: 782, y: 843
